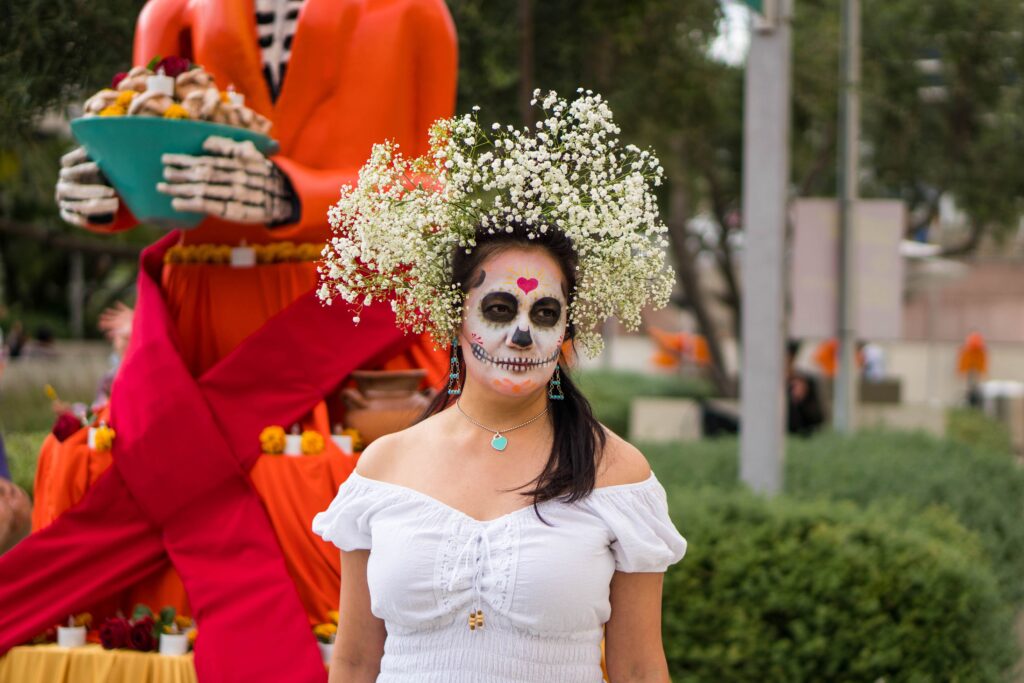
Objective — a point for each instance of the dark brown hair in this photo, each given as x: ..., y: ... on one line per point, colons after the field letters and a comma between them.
x: 579, y: 439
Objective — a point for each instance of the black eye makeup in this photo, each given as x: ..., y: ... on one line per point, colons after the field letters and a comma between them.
x: 546, y: 312
x: 499, y: 307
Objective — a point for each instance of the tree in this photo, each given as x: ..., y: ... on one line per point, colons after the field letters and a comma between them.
x: 55, y: 53
x: 650, y: 59
x: 957, y: 133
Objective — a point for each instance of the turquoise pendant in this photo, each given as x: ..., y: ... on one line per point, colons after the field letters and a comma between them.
x: 499, y: 442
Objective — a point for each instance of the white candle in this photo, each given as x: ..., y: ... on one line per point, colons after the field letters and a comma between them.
x: 160, y: 83
x: 343, y: 442
x: 293, y: 444
x: 243, y: 256
x: 173, y: 644
x: 71, y: 636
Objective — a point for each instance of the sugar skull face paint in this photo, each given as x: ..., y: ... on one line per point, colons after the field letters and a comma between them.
x: 514, y: 321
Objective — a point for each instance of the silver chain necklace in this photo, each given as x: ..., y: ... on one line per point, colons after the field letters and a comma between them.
x: 499, y: 441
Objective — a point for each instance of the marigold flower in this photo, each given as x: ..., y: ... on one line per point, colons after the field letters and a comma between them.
x: 272, y: 440
x: 312, y: 442
x: 325, y: 633
x: 176, y: 111
x: 113, y: 110
x: 124, y: 98
x: 104, y: 438
x: 357, y: 438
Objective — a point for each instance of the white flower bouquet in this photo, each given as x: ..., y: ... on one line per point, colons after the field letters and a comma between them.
x: 395, y: 232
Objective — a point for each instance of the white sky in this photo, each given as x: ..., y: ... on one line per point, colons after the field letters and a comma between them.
x: 733, y: 34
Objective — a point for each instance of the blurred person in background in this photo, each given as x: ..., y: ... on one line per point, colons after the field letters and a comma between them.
x: 972, y: 363
x: 15, y: 339
x: 804, y: 412
x: 42, y: 345
x: 15, y: 506
x: 116, y: 325
x: 873, y: 361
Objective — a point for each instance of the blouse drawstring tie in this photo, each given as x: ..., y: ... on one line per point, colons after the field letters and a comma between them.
x: 479, y: 538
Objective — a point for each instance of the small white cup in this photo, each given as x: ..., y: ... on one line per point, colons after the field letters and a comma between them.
x: 343, y: 442
x: 293, y: 444
x: 160, y: 83
x: 173, y: 643
x: 71, y: 636
x: 325, y: 651
x: 243, y: 257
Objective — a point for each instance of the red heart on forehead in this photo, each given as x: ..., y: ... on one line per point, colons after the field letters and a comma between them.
x: 527, y: 285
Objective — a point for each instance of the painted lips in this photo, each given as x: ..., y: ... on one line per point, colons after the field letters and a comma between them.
x: 511, y: 364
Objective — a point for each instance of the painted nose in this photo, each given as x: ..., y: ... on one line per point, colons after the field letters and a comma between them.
x: 522, y: 338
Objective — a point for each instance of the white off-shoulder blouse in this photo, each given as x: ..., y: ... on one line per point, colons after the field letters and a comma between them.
x: 542, y: 591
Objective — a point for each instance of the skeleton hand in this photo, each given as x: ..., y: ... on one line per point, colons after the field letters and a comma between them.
x: 234, y: 181
x: 83, y: 194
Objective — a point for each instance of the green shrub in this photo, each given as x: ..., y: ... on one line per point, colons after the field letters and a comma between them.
x: 975, y: 429
x: 984, y: 490
x: 611, y: 392
x: 22, y: 455
x: 25, y: 410
x: 815, y: 591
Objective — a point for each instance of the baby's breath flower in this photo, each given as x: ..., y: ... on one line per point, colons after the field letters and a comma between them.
x: 394, y: 233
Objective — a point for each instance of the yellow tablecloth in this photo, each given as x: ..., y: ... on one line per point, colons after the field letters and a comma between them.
x: 93, y: 664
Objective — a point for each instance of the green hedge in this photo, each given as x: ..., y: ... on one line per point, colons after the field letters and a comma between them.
x: 975, y: 429
x: 984, y: 490
x: 815, y: 591
x: 22, y: 455
x: 611, y: 392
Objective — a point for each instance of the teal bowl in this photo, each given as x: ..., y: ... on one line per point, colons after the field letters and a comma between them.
x: 128, y: 151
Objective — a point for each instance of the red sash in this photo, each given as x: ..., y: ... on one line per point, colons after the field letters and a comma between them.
x: 179, y: 487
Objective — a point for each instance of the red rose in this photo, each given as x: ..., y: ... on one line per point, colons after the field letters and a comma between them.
x: 141, y: 636
x: 118, y: 77
x: 173, y: 66
x: 66, y: 425
x: 115, y: 633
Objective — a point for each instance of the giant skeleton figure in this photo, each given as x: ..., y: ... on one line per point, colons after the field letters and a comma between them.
x: 334, y: 78
x: 216, y: 352
x: 234, y: 182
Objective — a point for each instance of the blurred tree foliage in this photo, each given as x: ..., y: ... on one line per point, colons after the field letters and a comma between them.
x: 942, y: 108
x: 957, y: 132
x: 55, y: 53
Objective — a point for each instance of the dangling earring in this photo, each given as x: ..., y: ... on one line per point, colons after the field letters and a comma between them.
x: 555, y: 385
x: 453, y: 371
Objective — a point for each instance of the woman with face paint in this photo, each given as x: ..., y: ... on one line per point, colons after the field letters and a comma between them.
x: 508, y: 536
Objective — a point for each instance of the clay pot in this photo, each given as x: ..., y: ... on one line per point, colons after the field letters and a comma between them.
x: 385, y: 401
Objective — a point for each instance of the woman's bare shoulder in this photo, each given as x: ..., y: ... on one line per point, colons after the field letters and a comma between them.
x: 621, y: 462
x: 383, y: 458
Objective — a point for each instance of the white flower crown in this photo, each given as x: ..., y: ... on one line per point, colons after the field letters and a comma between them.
x: 396, y: 232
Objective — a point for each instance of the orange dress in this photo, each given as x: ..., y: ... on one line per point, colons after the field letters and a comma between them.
x: 360, y: 72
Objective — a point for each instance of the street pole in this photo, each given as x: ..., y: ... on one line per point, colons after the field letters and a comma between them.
x: 766, y: 125
x: 845, y: 397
